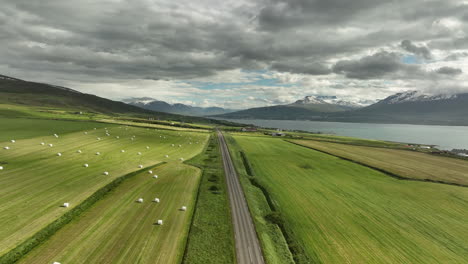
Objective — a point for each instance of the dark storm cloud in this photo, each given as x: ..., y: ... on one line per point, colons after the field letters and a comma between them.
x: 378, y: 65
x: 421, y: 51
x: 90, y: 40
x: 449, y: 71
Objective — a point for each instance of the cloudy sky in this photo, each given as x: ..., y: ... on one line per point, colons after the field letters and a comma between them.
x: 239, y: 53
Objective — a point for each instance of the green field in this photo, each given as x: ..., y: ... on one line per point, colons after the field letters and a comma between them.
x: 342, y: 212
x: 117, y: 229
x: 22, y: 128
x: 36, y: 182
x: 408, y: 164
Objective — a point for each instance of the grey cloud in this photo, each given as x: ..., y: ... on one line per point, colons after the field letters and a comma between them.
x: 306, y: 68
x: 421, y: 51
x: 449, y: 71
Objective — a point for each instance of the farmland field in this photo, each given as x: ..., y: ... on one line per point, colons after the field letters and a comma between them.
x: 21, y: 128
x: 117, y: 229
x: 36, y: 181
x: 408, y: 164
x: 342, y: 212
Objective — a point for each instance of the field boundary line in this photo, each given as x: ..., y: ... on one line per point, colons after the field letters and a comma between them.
x: 388, y: 173
x: 45, y: 233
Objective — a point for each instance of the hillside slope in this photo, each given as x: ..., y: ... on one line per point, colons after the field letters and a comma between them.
x: 181, y: 109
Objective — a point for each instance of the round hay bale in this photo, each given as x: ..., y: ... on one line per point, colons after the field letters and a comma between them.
x: 106, y: 173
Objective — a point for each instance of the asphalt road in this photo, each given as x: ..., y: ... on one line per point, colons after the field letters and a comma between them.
x: 248, y: 248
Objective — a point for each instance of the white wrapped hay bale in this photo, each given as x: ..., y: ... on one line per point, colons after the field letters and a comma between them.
x: 7, y: 148
x: 42, y: 143
x: 160, y: 222
x: 150, y: 172
x: 123, y: 151
x: 140, y: 166
x: 183, y: 208
x: 156, y: 200
x: 55, y: 135
x: 86, y: 165
x: 155, y: 176
x: 51, y: 145
x: 139, y: 153
x: 98, y: 153
x: 59, y: 154
x: 1, y: 167
x: 181, y: 159
x: 78, y: 151
x: 140, y: 200
x: 98, y: 138
x: 106, y: 173
x: 86, y: 133
x: 66, y: 204
x: 12, y: 141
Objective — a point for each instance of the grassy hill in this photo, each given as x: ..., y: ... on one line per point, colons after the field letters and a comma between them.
x: 18, y: 96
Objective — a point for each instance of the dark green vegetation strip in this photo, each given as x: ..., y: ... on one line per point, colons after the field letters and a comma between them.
x: 391, y: 174
x: 210, y: 237
x: 277, y: 246
x: 41, y: 236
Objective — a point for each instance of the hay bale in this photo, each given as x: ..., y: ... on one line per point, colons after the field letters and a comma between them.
x: 156, y: 200
x: 98, y: 153
x: 117, y: 137
x: 55, y: 262
x: 12, y: 141
x: 7, y: 148
x: 167, y: 156
x: 42, y: 143
x: 1, y: 167
x: 98, y: 138
x: 86, y: 133
x: 181, y: 159
x: 140, y: 200
x: 122, y: 151
x: 150, y: 172
x: 172, y: 145
x: 139, y: 153
x: 86, y: 165
x: 147, y: 147
x: 55, y: 135
x: 59, y: 154
x: 66, y: 204
x: 155, y: 176
x: 160, y: 222
x: 106, y: 173
x: 140, y: 166
x: 51, y: 145
x: 78, y: 151
x: 183, y: 208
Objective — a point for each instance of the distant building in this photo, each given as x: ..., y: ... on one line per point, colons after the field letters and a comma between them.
x: 249, y: 129
x: 278, y: 134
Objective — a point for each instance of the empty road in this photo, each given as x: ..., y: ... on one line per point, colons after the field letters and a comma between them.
x: 248, y: 248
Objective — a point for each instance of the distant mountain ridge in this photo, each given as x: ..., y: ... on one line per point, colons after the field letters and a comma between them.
x: 303, y: 109
x: 411, y: 107
x: 181, y: 109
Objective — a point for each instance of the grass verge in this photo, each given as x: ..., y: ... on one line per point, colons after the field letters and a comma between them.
x: 274, y: 244
x: 210, y: 238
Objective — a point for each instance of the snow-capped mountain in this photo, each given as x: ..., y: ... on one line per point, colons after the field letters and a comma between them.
x: 333, y: 100
x: 416, y: 96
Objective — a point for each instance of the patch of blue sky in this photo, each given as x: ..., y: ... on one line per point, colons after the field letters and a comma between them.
x: 410, y: 59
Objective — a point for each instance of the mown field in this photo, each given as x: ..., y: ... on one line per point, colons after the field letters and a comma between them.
x: 117, y: 229
x: 408, y: 164
x: 36, y: 182
x: 342, y: 212
x: 21, y: 128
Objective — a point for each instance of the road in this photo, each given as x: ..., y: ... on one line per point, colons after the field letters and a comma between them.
x: 248, y: 248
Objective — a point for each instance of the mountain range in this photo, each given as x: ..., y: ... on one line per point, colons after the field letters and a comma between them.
x: 181, y: 109
x: 411, y: 107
